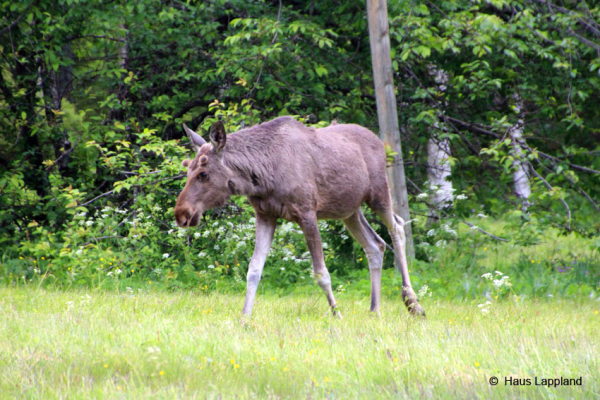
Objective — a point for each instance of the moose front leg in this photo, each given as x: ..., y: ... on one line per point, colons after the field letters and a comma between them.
x: 265, y: 228
x: 310, y: 227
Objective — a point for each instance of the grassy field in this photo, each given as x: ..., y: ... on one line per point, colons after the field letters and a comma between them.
x: 95, y: 344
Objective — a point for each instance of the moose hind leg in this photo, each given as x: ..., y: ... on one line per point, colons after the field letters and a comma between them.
x: 395, y: 226
x: 374, y: 248
x: 310, y: 227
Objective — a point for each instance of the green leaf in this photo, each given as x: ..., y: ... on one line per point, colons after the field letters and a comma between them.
x: 320, y: 70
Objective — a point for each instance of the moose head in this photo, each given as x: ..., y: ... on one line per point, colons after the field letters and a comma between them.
x: 208, y: 179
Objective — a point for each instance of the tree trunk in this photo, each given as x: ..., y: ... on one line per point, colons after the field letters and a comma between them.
x: 521, y: 171
x: 438, y: 152
x: 122, y: 88
x: 386, y: 110
x: 438, y: 172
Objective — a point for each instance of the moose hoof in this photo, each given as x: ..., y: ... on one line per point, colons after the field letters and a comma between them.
x: 410, y: 299
x: 245, y: 321
x: 337, y: 314
x: 416, y: 310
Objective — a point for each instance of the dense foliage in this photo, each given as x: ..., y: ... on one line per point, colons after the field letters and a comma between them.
x: 93, y: 95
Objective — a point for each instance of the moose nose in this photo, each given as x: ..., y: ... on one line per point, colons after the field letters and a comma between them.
x: 182, y: 221
x: 186, y: 217
x: 182, y: 216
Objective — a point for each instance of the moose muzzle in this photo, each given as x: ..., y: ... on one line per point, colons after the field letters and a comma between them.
x: 187, y: 216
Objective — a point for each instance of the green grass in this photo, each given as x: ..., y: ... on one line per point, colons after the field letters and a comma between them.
x: 98, y: 344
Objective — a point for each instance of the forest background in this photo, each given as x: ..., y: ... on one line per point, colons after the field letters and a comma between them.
x: 504, y: 93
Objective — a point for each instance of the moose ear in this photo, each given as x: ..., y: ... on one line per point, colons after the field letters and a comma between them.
x: 186, y: 163
x: 195, y: 139
x: 218, y: 137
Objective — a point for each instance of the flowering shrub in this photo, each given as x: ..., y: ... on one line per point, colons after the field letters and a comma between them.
x: 125, y: 236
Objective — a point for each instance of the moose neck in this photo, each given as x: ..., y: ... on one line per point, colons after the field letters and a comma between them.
x: 248, y: 172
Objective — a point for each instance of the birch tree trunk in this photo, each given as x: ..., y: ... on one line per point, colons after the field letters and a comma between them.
x: 122, y: 89
x: 521, y: 171
x: 387, y: 112
x: 438, y: 153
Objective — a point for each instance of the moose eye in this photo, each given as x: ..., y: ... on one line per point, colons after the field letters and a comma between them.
x: 203, y: 176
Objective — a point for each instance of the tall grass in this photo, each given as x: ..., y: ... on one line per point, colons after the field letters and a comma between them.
x: 151, y: 344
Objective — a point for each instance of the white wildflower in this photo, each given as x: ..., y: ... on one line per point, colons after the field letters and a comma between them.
x: 430, y: 232
x: 166, y: 255
x: 423, y: 291
x: 482, y: 215
x: 202, y: 254
x: 206, y: 234
x: 197, y: 235
x: 450, y: 230
x: 474, y: 227
x: 484, y: 307
x: 461, y: 197
x: 89, y: 223
x: 487, y: 276
x: 211, y: 266
x: 118, y: 271
x: 422, y: 196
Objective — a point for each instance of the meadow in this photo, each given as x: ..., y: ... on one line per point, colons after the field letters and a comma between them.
x: 154, y: 344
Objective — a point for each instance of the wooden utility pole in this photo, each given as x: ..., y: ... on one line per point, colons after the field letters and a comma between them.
x: 387, y: 112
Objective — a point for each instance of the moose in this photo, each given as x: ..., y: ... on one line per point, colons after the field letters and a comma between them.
x: 290, y: 171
